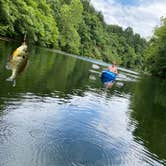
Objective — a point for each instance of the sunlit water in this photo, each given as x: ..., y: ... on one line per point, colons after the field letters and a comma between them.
x: 60, y: 114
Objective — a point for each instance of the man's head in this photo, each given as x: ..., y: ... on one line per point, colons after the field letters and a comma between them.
x: 113, y: 63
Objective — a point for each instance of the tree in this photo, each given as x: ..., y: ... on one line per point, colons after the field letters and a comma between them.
x: 156, y: 51
x: 71, y: 16
x: 33, y: 17
x: 73, y: 26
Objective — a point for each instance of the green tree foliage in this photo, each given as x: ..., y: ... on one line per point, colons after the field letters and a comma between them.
x: 73, y: 26
x: 70, y: 17
x: 109, y: 42
x: 33, y: 17
x: 156, y: 51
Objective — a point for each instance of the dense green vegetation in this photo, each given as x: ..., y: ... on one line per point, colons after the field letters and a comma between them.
x: 76, y: 27
x: 156, y: 51
x: 73, y: 26
x: 35, y: 17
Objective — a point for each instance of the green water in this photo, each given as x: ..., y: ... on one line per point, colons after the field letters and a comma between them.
x: 60, y: 113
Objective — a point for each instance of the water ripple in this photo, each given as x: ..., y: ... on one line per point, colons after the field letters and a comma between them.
x: 6, y: 131
x: 71, y: 152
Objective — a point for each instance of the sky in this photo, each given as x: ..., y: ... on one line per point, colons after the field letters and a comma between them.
x: 142, y: 15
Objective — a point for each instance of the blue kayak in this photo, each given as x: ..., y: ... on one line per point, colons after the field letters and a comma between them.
x: 108, y: 76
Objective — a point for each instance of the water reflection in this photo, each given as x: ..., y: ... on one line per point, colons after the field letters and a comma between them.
x: 149, y: 105
x: 54, y: 131
x: 59, y: 115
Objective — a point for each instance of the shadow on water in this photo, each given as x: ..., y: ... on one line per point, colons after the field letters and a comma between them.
x: 60, y: 113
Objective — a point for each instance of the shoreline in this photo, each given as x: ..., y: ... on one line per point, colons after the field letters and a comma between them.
x: 96, y: 61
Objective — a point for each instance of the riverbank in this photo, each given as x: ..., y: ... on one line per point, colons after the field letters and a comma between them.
x: 85, y: 58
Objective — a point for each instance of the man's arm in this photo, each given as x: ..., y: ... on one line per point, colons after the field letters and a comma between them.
x: 116, y: 71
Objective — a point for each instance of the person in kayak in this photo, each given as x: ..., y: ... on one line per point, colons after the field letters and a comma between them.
x: 113, y: 68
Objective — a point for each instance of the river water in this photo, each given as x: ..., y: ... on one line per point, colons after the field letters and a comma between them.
x: 60, y: 114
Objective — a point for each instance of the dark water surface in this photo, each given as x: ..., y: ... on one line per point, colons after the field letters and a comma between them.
x: 60, y: 114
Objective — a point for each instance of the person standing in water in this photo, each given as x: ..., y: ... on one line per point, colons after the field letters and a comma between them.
x: 113, y: 68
